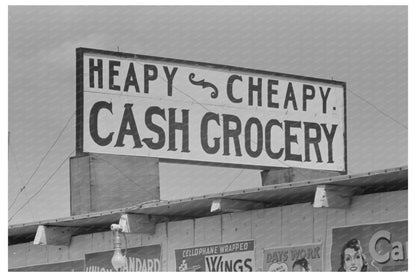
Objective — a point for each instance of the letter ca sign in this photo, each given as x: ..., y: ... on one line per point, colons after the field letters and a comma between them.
x: 396, y: 253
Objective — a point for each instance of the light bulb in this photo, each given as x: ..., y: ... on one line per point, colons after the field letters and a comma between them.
x: 118, y: 260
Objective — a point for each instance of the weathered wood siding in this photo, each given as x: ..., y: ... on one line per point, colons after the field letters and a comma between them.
x: 281, y: 226
x: 92, y: 179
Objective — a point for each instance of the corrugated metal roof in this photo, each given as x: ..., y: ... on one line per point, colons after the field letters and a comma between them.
x: 194, y: 207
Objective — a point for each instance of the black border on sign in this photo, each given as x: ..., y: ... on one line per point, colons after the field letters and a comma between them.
x: 79, y: 103
x: 80, y: 96
x: 344, y: 85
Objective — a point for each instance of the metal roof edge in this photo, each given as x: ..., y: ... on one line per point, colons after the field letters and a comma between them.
x: 69, y: 218
x: 328, y: 180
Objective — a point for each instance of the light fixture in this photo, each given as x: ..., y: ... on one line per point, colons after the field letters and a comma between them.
x: 118, y: 260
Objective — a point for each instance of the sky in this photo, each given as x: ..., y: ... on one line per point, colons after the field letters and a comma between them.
x: 364, y: 46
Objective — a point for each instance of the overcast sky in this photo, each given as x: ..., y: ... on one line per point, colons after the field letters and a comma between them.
x: 364, y: 46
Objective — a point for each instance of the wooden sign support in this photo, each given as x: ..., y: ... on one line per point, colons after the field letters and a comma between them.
x: 51, y: 235
x: 232, y: 205
x: 333, y: 196
x: 137, y: 223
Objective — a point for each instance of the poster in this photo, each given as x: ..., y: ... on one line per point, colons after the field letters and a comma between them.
x: 308, y: 257
x: 227, y: 257
x: 370, y: 247
x: 72, y: 266
x: 146, y: 258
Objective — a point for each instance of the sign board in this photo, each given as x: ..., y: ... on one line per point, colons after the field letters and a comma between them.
x: 146, y: 258
x: 370, y: 247
x: 307, y: 257
x: 75, y: 266
x: 187, y: 111
x: 227, y: 257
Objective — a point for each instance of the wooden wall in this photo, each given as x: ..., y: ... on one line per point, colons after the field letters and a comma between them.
x: 92, y: 179
x: 281, y: 226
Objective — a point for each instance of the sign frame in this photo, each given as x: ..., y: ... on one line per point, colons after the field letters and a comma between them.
x: 79, y: 142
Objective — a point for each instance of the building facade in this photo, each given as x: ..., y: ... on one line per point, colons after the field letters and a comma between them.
x: 271, y: 228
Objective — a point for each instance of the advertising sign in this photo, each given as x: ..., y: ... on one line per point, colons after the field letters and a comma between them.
x: 74, y: 266
x: 186, y: 111
x: 370, y: 247
x: 307, y: 257
x: 146, y: 258
x: 227, y: 257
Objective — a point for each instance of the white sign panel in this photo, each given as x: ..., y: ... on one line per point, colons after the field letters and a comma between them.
x: 188, y: 111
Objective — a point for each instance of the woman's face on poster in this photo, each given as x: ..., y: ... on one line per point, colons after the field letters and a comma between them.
x: 353, y: 260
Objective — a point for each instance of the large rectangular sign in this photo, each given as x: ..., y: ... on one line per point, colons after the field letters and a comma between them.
x: 146, y: 258
x: 190, y: 111
x: 227, y: 257
x: 370, y: 247
x: 307, y: 257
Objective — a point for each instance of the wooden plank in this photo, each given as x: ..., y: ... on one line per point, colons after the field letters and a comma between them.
x: 37, y: 254
x: 180, y: 235
x: 319, y: 224
x: 80, y: 245
x: 365, y: 209
x: 297, y: 223
x: 334, y: 218
x: 207, y: 230
x: 287, y: 175
x: 57, y: 253
x: 18, y: 255
x: 378, y: 207
x: 394, y: 206
x: 159, y: 237
x: 231, y: 205
x: 236, y: 226
x: 103, y: 241
x: 267, y: 232
x: 134, y: 240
